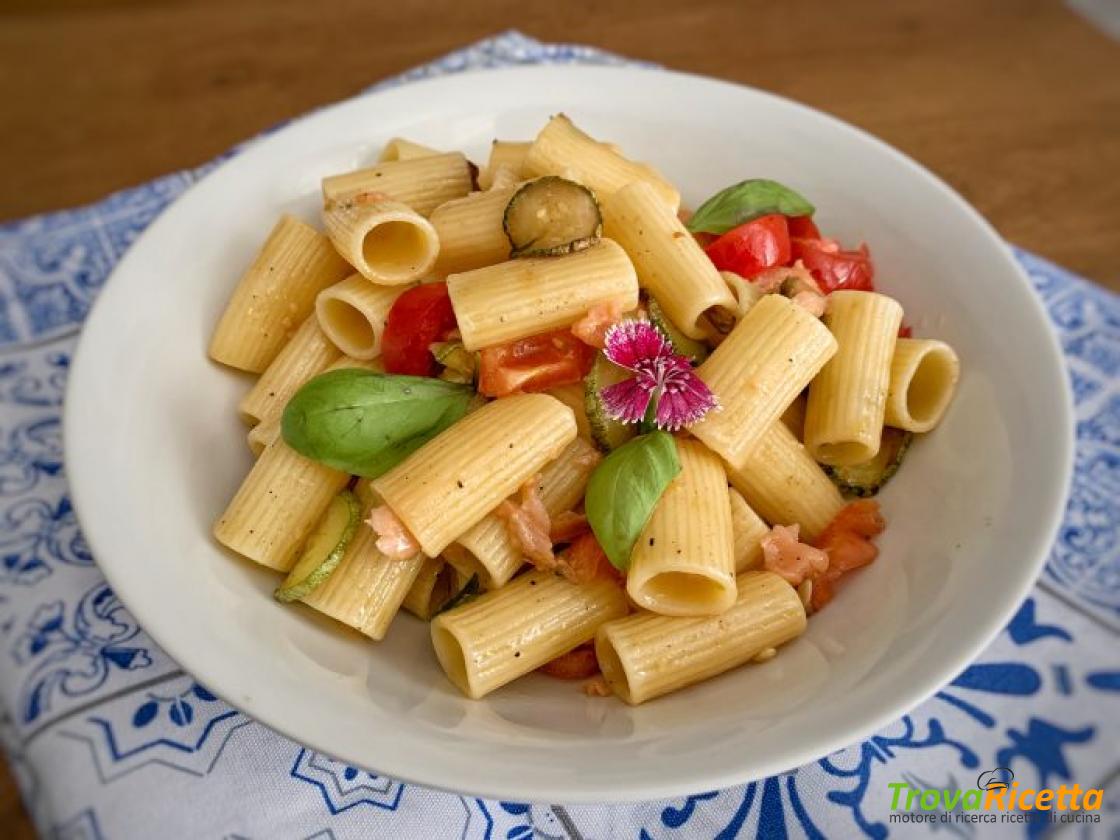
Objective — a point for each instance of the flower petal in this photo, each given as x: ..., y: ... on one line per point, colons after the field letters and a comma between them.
x: 626, y: 401
x: 630, y: 342
x: 684, y: 400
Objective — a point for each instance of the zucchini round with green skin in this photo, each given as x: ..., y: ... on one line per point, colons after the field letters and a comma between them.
x: 696, y: 351
x: 607, y: 433
x: 552, y: 216
x: 460, y: 365
x: 866, y: 479
x: 323, y: 550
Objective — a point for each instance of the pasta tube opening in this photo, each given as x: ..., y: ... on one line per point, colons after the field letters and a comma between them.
x: 396, y: 248
x: 352, y: 314
x: 686, y: 593
x: 923, y: 379
x: 614, y: 670
x: 349, y: 328
x: 451, y: 658
x: 386, y: 241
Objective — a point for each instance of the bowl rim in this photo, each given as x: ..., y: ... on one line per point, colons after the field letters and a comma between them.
x: 194, y: 662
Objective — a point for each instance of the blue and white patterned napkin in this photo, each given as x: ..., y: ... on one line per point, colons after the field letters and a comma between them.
x: 108, y: 738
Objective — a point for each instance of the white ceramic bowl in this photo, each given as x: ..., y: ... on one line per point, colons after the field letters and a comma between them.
x: 155, y: 450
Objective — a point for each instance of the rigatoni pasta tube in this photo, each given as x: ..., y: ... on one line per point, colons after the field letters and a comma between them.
x: 923, y: 379
x: 307, y: 353
x: 562, y: 148
x: 671, y: 266
x: 847, y: 400
x: 386, y: 241
x: 423, y: 183
x: 503, y: 153
x: 488, y: 550
x: 470, y: 231
x: 451, y: 482
x: 646, y: 655
x: 747, y: 531
x: 277, y: 505
x: 575, y: 398
x: 435, y: 585
x: 784, y: 485
x: 524, y: 297
x: 398, y: 148
x: 758, y: 370
x: 275, y: 295
x: 511, y: 631
x: 683, y: 562
x: 353, y: 313
x: 746, y: 293
x: 367, y: 589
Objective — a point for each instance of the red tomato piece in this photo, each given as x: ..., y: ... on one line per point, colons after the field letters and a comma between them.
x: 420, y: 317
x: 905, y: 331
x: 802, y: 227
x: 585, y: 561
x: 536, y: 363
x: 753, y: 247
x: 833, y: 268
x: 847, y: 539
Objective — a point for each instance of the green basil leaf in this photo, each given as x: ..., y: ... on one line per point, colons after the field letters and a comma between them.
x: 624, y: 490
x: 744, y: 201
x: 366, y: 423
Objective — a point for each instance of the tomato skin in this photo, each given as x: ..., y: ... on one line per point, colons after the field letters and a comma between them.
x: 533, y: 364
x: 585, y: 561
x: 847, y: 539
x: 833, y: 268
x: 905, y: 331
x: 802, y: 227
x: 753, y: 247
x: 418, y: 318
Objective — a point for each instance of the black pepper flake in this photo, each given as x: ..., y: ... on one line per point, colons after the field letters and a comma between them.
x: 651, y: 541
x: 459, y: 484
x: 532, y: 583
x: 516, y: 654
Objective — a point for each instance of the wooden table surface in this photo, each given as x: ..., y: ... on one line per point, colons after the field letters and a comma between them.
x: 1016, y: 104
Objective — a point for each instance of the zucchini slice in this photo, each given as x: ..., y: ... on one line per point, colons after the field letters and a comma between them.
x: 323, y: 550
x: 607, y: 433
x: 866, y: 479
x: 552, y: 216
x: 696, y: 351
x: 459, y: 364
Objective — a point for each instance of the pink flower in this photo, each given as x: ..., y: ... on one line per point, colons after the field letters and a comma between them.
x: 660, y: 375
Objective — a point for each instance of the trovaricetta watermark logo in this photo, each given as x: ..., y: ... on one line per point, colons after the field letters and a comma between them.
x: 997, y: 798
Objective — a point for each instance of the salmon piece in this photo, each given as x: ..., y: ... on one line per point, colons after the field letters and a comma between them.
x: 786, y: 556
x: 578, y: 664
x: 592, y: 328
x: 393, y: 539
x: 567, y: 526
x: 861, y: 517
x: 529, y: 525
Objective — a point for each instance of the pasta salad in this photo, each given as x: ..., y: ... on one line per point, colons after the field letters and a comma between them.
x: 576, y: 427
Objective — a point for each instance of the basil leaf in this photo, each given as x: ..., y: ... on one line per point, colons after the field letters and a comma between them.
x: 624, y: 490
x: 744, y: 201
x: 366, y: 423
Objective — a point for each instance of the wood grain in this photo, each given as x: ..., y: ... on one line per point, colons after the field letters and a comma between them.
x: 1017, y: 104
